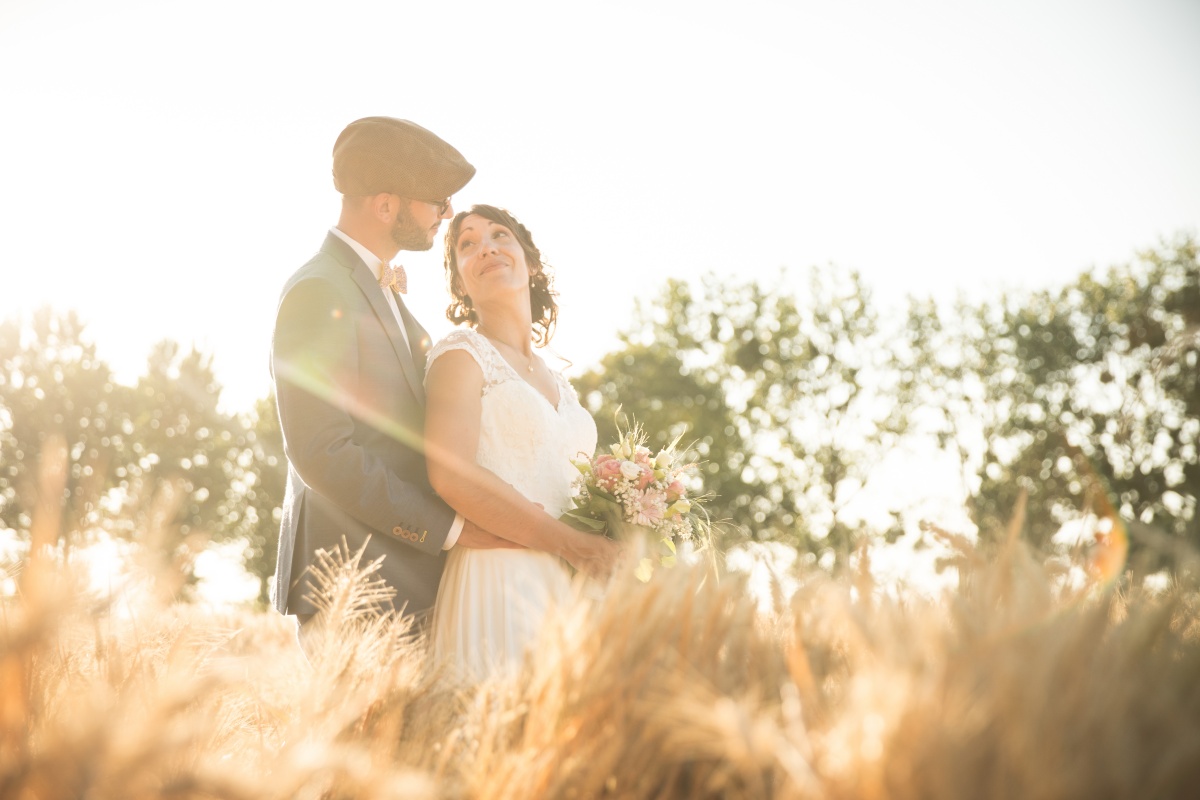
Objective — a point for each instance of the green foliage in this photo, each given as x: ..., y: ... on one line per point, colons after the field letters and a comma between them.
x: 787, y: 398
x: 160, y: 462
x: 263, y: 490
x: 52, y: 384
x: 1085, y: 398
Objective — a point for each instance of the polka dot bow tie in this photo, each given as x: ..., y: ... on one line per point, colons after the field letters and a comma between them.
x: 394, y: 278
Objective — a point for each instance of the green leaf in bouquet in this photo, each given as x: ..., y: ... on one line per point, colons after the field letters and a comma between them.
x: 668, y: 561
x: 599, y: 494
x: 583, y: 523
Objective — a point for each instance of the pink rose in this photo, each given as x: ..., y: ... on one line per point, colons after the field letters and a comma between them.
x: 607, y: 471
x: 675, y: 491
x: 645, y: 477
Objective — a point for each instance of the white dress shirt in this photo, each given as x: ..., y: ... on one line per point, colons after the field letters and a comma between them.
x: 375, y: 264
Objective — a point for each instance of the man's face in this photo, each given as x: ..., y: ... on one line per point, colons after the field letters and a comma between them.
x: 417, y: 222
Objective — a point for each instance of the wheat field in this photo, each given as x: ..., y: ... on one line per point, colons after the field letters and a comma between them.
x: 1014, y: 684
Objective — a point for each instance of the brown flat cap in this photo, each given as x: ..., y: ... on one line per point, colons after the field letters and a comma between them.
x: 383, y: 154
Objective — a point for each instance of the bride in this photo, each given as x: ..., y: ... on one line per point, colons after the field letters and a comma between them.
x: 501, y: 429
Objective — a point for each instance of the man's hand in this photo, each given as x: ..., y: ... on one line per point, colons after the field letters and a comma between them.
x: 477, y: 538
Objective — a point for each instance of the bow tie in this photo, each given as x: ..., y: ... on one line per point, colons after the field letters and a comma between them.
x: 394, y: 278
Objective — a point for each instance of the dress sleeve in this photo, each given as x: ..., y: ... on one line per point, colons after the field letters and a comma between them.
x: 477, y: 347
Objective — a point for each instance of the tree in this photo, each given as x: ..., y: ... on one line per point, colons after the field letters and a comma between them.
x: 53, y: 385
x: 1084, y: 398
x: 159, y: 463
x: 265, y: 482
x: 185, y: 444
x: 788, y: 398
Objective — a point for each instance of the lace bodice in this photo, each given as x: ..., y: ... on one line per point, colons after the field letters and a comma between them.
x: 523, y: 438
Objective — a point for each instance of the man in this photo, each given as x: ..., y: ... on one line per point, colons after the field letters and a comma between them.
x: 348, y: 366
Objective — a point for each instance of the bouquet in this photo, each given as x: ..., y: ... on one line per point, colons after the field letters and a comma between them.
x: 630, y: 488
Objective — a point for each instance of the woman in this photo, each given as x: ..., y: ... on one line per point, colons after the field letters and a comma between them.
x: 501, y: 429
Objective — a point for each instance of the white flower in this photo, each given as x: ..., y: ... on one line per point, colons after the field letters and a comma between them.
x: 630, y: 470
x: 662, y: 460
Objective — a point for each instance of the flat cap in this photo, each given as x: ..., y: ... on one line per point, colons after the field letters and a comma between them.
x: 383, y: 154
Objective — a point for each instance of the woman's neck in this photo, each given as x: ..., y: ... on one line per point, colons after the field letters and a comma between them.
x: 509, y: 328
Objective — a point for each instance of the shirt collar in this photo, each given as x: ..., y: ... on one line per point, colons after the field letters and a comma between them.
x: 373, y: 262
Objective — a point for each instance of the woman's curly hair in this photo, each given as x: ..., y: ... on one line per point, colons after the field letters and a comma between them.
x: 542, y: 307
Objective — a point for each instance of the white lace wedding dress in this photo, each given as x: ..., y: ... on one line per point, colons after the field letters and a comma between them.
x: 491, y: 603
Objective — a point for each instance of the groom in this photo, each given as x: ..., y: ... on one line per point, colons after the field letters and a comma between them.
x: 348, y: 363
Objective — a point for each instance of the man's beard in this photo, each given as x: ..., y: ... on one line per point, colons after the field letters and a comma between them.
x: 407, y: 234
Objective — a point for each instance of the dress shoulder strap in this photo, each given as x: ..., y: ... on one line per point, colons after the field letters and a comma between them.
x: 490, y: 362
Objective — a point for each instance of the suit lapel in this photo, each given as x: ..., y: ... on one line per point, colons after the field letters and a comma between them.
x: 379, y: 304
x: 418, y: 338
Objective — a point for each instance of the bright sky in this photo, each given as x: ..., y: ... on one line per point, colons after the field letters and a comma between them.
x: 164, y: 166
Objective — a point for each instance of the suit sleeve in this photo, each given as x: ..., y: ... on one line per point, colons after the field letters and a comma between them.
x: 313, y: 359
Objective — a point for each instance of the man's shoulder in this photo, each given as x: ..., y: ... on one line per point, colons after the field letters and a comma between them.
x: 331, y: 264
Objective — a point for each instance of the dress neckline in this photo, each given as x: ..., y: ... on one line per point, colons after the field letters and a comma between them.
x: 556, y: 406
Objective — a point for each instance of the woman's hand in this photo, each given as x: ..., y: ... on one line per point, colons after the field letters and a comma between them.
x: 591, y: 553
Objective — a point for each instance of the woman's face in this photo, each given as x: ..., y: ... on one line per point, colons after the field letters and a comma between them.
x: 490, y: 259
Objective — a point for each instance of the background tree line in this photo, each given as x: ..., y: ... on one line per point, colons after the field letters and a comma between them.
x: 156, y: 463
x: 1084, y: 398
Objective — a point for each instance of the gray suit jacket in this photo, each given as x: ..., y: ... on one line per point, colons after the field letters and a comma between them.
x: 352, y: 410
